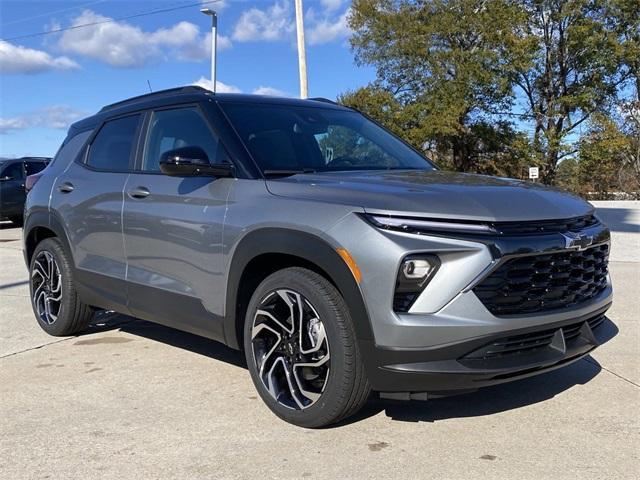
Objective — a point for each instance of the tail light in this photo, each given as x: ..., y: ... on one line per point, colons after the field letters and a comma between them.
x: 31, y: 181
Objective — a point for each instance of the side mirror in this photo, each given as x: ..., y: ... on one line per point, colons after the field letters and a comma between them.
x: 192, y: 162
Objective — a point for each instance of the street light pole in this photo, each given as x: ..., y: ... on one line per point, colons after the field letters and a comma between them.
x: 214, y: 35
x: 302, y: 56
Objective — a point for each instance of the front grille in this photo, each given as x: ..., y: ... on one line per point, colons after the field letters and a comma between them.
x: 532, y: 342
x: 575, y: 224
x: 538, y: 283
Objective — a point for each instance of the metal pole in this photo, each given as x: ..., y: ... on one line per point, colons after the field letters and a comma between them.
x: 214, y: 35
x: 302, y: 56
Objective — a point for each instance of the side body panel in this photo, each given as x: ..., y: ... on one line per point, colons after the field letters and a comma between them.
x: 173, y: 244
x: 91, y: 214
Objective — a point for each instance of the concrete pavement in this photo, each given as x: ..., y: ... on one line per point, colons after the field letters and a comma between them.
x: 130, y: 399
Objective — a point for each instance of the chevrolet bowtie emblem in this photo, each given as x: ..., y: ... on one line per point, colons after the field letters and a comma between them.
x: 577, y: 240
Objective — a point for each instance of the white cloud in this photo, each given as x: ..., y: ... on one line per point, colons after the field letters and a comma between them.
x: 15, y: 59
x: 274, y: 23
x: 120, y: 44
x: 328, y: 30
x: 277, y: 23
x: 202, y: 50
x: 224, y: 88
x: 274, y: 92
x: 56, y: 116
x: 331, y: 5
x: 220, y: 87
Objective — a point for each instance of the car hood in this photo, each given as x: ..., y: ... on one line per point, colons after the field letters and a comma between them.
x: 435, y: 194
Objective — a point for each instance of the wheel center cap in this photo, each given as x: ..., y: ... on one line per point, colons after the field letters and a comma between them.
x: 289, y: 348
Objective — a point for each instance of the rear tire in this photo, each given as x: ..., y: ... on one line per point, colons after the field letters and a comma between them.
x: 308, y: 371
x: 54, y: 299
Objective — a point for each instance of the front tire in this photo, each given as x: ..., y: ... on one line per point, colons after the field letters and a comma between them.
x: 301, y: 349
x: 54, y: 299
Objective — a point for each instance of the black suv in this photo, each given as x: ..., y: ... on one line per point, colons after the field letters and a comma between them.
x: 13, y: 174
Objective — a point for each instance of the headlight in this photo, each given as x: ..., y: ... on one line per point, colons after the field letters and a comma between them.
x: 413, y: 276
x: 416, y: 225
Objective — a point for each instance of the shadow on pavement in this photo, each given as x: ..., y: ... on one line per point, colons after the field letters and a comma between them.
x: 486, y: 401
x: 106, y: 321
x: 619, y: 219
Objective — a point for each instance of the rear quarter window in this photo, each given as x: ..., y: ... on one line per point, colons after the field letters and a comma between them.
x: 111, y: 149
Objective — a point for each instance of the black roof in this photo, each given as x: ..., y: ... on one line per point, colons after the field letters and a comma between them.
x: 195, y: 93
x: 23, y: 159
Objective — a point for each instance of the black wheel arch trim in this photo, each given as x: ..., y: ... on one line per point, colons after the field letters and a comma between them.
x: 310, y: 248
x: 44, y: 219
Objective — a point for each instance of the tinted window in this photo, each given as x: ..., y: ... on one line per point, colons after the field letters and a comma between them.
x: 111, y: 149
x: 34, y: 167
x: 170, y: 129
x: 321, y: 139
x: 14, y: 171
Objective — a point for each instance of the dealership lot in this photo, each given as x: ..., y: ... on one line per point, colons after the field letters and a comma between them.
x: 133, y: 399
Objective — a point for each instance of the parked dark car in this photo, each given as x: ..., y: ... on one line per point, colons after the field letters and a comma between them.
x: 336, y: 256
x: 13, y: 174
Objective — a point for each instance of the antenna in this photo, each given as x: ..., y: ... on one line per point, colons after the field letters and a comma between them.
x: 150, y: 89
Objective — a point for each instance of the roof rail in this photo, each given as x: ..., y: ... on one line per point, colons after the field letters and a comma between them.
x: 324, y: 100
x: 159, y: 93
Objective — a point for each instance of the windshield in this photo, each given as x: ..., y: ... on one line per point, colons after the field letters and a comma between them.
x: 305, y: 139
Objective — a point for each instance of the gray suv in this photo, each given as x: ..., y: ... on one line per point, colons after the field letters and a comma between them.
x: 337, y: 257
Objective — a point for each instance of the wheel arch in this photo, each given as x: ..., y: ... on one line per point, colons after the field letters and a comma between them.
x: 37, y: 227
x: 267, y: 250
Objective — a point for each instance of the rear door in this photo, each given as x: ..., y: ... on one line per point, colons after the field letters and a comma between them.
x: 88, y: 200
x: 173, y: 227
x: 12, y: 193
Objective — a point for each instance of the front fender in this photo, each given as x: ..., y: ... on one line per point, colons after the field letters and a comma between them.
x: 303, y: 245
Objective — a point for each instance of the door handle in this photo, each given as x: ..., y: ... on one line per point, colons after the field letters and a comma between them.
x: 139, y: 192
x: 66, y: 187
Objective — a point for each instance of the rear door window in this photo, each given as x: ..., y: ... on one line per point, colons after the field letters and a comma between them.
x: 112, y: 148
x: 34, y: 167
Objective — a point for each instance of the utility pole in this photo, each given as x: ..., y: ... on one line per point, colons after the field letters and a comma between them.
x: 302, y: 56
x: 214, y: 34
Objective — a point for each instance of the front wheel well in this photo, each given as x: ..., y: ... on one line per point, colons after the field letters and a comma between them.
x: 256, y: 271
x: 35, y: 236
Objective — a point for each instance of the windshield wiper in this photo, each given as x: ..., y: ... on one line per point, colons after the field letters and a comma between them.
x: 286, y: 173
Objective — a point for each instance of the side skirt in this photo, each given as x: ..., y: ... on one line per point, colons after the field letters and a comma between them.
x: 155, y: 305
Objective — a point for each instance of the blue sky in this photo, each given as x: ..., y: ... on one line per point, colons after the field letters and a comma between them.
x: 50, y: 81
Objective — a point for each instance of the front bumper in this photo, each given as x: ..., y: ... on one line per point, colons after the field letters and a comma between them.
x: 429, y: 348
x: 486, y: 360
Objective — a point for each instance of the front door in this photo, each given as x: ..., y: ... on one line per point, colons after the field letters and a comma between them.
x: 173, y: 228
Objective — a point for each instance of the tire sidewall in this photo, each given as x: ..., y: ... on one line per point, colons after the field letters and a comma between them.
x: 54, y: 247
x: 334, y: 322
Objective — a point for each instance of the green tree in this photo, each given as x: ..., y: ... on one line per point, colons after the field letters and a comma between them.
x: 576, y: 66
x: 442, y: 66
x: 609, y: 156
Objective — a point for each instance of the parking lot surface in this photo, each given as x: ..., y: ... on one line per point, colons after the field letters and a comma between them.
x: 129, y: 399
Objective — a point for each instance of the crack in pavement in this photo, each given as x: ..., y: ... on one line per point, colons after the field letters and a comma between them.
x: 36, y: 347
x: 593, y: 362
x: 105, y: 327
